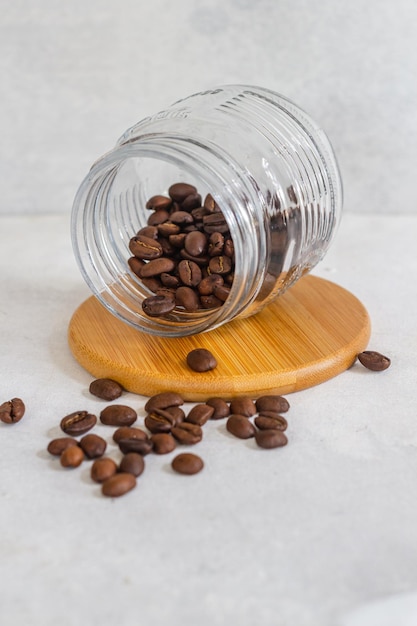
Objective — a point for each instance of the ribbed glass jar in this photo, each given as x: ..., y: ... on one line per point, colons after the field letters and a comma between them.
x: 268, y: 166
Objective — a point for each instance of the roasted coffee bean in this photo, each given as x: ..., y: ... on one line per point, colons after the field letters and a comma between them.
x: 170, y: 281
x: 215, y: 223
x: 187, y: 463
x: 229, y: 249
x: 145, y: 247
x: 374, y: 360
x: 158, y: 217
x: 163, y: 400
x: 132, y: 463
x: 72, y: 457
x: 157, y: 266
x: 93, y: 446
x: 216, y: 244
x: 118, y: 415
x: 78, y: 423
x: 155, y: 306
x: 177, y: 414
x: 220, y: 406
x: 180, y: 191
x: 196, y: 243
x: 208, y: 284
x: 240, y: 426
x: 189, y: 273
x: 277, y: 404
x: 167, y: 248
x: 181, y: 217
x: 210, y: 302
x: 187, y: 298
x: 102, y: 469
x: 136, y: 265
x: 222, y: 292
x: 158, y: 202
x: 187, y: 434
x: 148, y: 231
x: 270, y: 420
x: 58, y: 445
x: 201, y: 261
x: 210, y: 204
x: 118, y: 485
x: 12, y: 411
x: 220, y: 265
x: 163, y: 443
x: 132, y: 444
x: 128, y: 432
x: 200, y: 414
x: 159, y: 421
x: 270, y: 438
x: 168, y: 228
x: 153, y: 283
x: 191, y: 202
x: 106, y: 389
x: 201, y: 360
x: 243, y: 406
x: 177, y: 241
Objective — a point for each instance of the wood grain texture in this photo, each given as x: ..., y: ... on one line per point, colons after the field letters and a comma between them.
x: 310, y: 334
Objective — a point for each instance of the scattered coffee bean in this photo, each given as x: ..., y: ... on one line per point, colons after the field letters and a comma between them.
x: 200, y: 414
x: 159, y: 421
x: 187, y: 434
x: 243, y: 406
x: 270, y: 420
x: 177, y: 413
x: 12, y: 411
x: 78, y: 423
x: 118, y: 415
x: 220, y: 406
x: 102, y: 469
x: 128, y: 432
x: 187, y: 463
x: 118, y: 485
x: 163, y: 400
x: 141, y: 446
x: 240, y: 426
x: 270, y: 438
x: 57, y: 446
x: 106, y: 389
x: 278, y: 404
x: 374, y: 360
x: 132, y: 463
x: 93, y: 446
x: 72, y: 457
x: 201, y: 360
x: 163, y: 443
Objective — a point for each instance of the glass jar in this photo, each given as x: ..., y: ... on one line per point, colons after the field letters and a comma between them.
x: 268, y: 166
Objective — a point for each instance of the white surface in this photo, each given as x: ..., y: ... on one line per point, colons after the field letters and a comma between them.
x: 75, y: 76
x: 300, y: 536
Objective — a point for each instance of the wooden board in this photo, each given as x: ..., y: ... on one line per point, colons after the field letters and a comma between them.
x: 310, y: 334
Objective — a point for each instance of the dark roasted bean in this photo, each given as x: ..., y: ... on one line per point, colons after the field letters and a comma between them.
x: 196, y: 243
x: 210, y: 204
x: 72, y: 457
x: 163, y: 400
x: 136, y: 265
x: 163, y: 443
x: 102, y: 469
x: 93, y: 446
x: 270, y: 420
x: 158, y: 217
x: 118, y: 415
x: 132, y: 444
x: 243, y: 406
x: 157, y: 266
x: 106, y: 389
x: 187, y: 463
x: 181, y: 217
x: 210, y: 302
x: 189, y: 273
x: 159, y: 421
x: 278, y: 404
x: 78, y: 423
x: 177, y: 414
x: 374, y: 361
x: 215, y: 223
x: 240, y: 426
x: 222, y: 292
x: 118, y: 485
x: 158, y: 202
x: 220, y: 264
x: 270, y: 438
x: 201, y: 360
x: 145, y: 247
x: 132, y: 463
x: 221, y: 408
x: 148, y: 231
x: 191, y: 202
x: 168, y: 228
x: 216, y: 244
x: 170, y: 281
x: 153, y: 284
x: 187, y: 434
x: 128, y: 432
x: 200, y: 414
x: 155, y: 306
x: 229, y: 249
x: 58, y: 445
x: 207, y: 285
x: 12, y: 411
x: 187, y: 298
x: 180, y: 191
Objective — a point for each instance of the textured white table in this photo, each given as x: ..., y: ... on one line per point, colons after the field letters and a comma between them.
x: 300, y: 536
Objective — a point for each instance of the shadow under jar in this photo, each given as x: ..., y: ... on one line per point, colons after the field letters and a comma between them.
x: 268, y: 166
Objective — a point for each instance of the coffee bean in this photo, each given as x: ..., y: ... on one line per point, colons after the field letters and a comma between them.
x: 132, y: 444
x: 374, y: 361
x: 132, y: 463
x: 145, y: 247
x: 168, y: 280
x: 221, y: 408
x: 201, y: 360
x: 177, y: 414
x: 180, y: 191
x: 118, y: 415
x: 240, y: 426
x: 157, y: 266
x: 118, y: 485
x: 208, y: 284
x: 210, y: 204
x: 191, y: 202
x: 189, y: 273
x: 210, y: 302
x: 72, y: 457
x: 148, y: 231
x: 196, y: 243
x: 163, y: 400
x: 106, y: 389
x: 181, y: 217
x: 187, y: 434
x: 270, y: 420
x: 158, y: 217
x: 93, y: 446
x: 216, y: 244
x: 159, y: 421
x: 270, y: 438
x: 215, y: 223
x: 158, y: 202
x: 220, y: 265
x: 278, y: 404
x: 187, y: 298
x: 187, y: 463
x: 57, y: 446
x: 12, y: 411
x: 136, y: 265
x: 200, y: 414
x: 128, y: 432
x: 78, y: 423
x: 155, y: 306
x: 168, y: 228
x: 163, y: 443
x: 243, y: 406
x: 102, y: 469
x: 222, y: 292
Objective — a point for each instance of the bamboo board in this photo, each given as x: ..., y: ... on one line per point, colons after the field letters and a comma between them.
x: 310, y: 334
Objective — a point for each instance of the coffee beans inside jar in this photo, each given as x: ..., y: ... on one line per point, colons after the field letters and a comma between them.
x: 185, y: 253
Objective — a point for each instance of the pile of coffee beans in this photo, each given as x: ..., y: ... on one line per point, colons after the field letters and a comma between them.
x: 185, y: 253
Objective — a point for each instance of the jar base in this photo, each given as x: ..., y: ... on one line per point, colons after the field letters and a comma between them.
x: 305, y: 337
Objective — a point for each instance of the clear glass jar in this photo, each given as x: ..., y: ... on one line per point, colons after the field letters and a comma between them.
x: 268, y: 166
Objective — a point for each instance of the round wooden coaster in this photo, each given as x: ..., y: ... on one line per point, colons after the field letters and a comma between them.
x: 310, y: 334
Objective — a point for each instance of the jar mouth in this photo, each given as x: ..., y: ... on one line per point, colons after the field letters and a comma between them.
x: 109, y: 209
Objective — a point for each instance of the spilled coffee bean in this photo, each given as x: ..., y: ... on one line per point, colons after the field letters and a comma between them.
x: 78, y: 423
x: 187, y: 463
x: 118, y: 415
x: 106, y: 389
x: 118, y: 485
x: 132, y: 463
x: 12, y: 411
x: 102, y: 469
x: 374, y: 360
x: 201, y: 360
